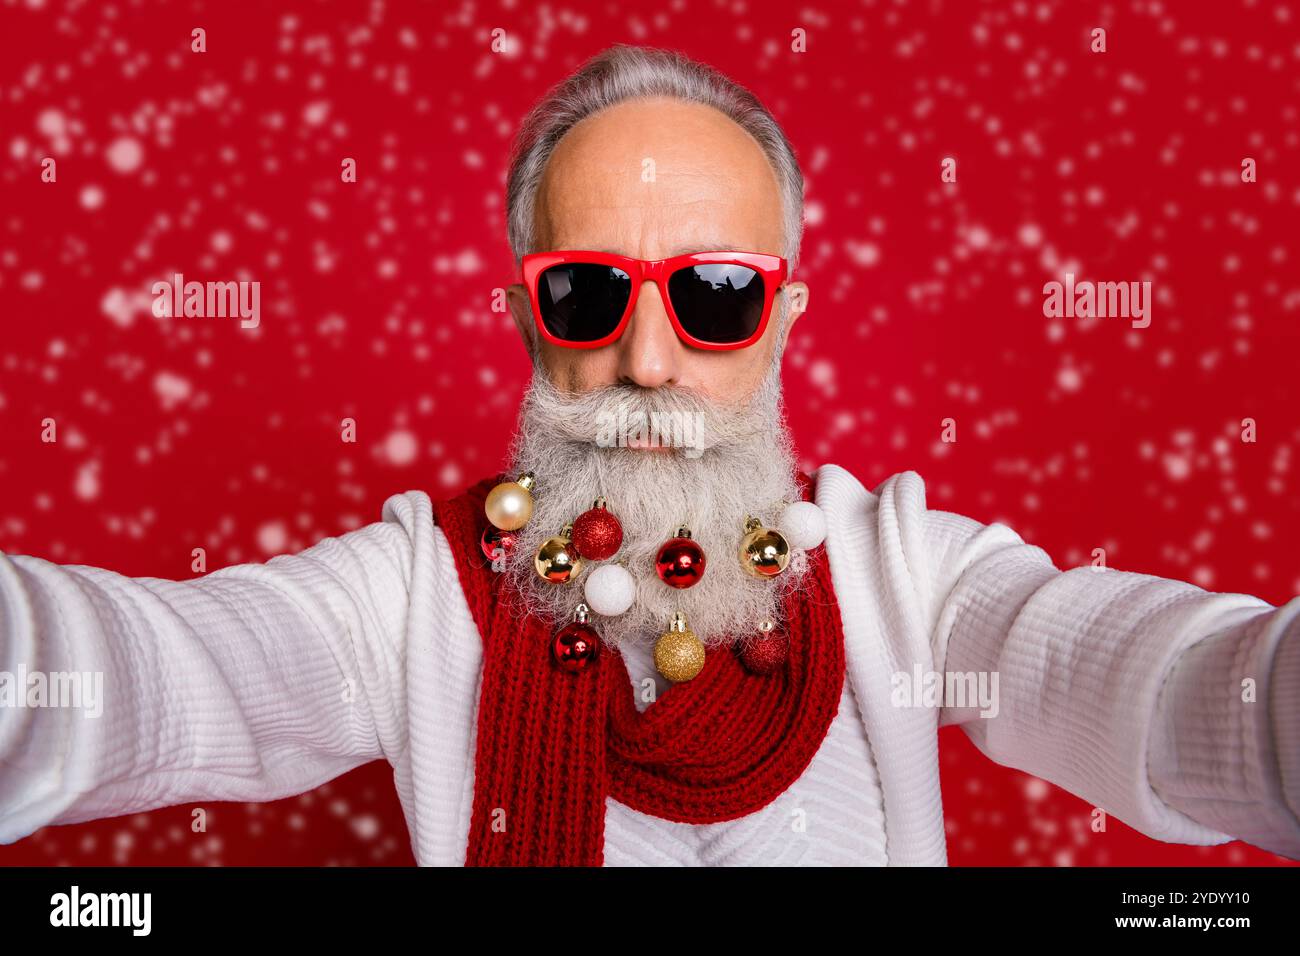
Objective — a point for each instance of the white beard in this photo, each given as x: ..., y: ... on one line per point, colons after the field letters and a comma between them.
x: 746, y: 467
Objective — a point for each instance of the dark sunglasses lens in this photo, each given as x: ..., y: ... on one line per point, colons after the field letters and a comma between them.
x: 718, y: 303
x: 582, y: 301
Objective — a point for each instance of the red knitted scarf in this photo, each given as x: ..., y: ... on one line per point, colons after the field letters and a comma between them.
x: 553, y: 745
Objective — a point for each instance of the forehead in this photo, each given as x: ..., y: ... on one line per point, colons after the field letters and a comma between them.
x: 654, y: 177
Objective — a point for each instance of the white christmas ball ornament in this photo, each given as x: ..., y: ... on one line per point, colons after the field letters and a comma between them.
x: 803, y: 524
x: 610, y: 590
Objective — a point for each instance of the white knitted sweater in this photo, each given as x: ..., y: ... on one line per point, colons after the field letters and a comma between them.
x: 260, y: 681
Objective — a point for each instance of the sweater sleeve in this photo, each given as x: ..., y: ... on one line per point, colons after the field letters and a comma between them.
x: 254, y: 682
x: 1174, y: 709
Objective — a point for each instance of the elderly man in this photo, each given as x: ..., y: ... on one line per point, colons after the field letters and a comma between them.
x: 653, y: 640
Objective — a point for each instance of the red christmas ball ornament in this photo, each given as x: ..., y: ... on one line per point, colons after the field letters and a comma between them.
x: 575, y: 645
x: 494, y: 538
x: 765, y: 653
x: 680, y: 561
x: 597, y: 534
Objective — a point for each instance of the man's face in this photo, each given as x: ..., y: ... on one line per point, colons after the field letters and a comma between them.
x: 712, y: 189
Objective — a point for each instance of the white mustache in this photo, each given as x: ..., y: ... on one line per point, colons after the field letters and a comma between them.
x: 581, y: 419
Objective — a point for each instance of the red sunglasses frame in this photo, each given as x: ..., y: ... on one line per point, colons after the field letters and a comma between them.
x: 773, y: 269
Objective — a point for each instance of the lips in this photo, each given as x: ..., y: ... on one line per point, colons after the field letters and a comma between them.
x: 645, y: 444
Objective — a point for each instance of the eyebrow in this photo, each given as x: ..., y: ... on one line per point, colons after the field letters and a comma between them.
x: 683, y: 250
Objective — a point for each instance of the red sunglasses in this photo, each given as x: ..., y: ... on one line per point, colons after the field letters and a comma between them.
x: 715, y: 300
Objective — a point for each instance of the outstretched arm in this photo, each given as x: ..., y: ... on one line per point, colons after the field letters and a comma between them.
x: 255, y: 682
x: 1175, y: 709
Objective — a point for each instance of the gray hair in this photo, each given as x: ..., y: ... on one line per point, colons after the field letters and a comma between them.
x: 625, y: 72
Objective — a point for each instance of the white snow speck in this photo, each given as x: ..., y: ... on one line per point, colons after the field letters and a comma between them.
x: 171, y: 389
x: 272, y: 537
x: 400, y: 448
x: 87, y: 484
x: 864, y: 253
x: 125, y: 155
x: 52, y: 123
x: 313, y: 114
x: 1036, y: 789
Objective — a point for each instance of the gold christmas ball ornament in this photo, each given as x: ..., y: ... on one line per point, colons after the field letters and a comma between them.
x: 556, y: 560
x: 764, y: 552
x: 679, y: 654
x: 510, y: 504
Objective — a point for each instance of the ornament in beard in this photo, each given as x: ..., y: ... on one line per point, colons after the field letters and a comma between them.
x: 713, y: 463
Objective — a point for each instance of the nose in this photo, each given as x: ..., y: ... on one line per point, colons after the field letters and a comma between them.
x: 650, y: 353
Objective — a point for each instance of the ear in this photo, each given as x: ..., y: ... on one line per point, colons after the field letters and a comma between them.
x: 521, y: 310
x: 796, y: 294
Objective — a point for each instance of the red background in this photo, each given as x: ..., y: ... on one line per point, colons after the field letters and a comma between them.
x: 925, y: 303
